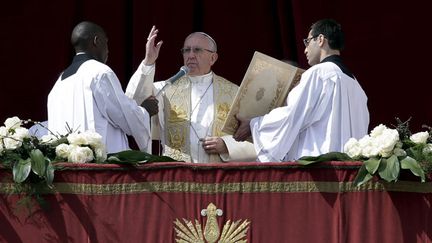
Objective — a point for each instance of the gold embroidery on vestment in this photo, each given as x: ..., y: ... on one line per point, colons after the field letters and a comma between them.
x: 177, y: 101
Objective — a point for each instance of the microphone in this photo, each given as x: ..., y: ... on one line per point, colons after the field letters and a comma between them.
x: 183, y: 71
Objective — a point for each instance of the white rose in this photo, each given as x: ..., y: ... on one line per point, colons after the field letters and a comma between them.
x: 1, y: 146
x: 427, y: 149
x: 352, y: 148
x: 101, y: 154
x: 3, y: 132
x: 420, y: 137
x: 77, y: 139
x: 21, y: 133
x: 11, y: 143
x: 80, y: 154
x: 99, y: 146
x: 381, y: 142
x: 12, y: 123
x: 62, y: 150
x: 14, y: 141
x: 387, y: 141
x: 370, y: 151
x: 93, y: 139
x: 368, y: 147
x: 49, y: 138
x: 378, y: 130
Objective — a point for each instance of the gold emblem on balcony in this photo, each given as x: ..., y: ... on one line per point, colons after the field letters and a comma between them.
x: 234, y: 232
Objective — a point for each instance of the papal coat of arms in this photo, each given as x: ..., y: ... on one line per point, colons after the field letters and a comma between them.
x: 234, y: 232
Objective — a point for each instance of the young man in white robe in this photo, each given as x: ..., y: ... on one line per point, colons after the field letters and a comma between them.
x: 323, y: 111
x: 194, y: 108
x: 88, y: 96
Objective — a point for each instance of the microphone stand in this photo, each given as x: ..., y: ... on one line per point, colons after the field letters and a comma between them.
x: 183, y: 71
x: 167, y: 83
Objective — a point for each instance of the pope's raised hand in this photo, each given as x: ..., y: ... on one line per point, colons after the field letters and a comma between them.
x: 152, y: 49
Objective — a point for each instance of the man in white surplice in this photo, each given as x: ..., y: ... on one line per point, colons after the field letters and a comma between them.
x: 88, y: 96
x: 193, y: 109
x: 323, y: 111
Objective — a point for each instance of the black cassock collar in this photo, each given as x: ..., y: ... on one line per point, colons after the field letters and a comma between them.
x: 336, y: 59
x: 76, y: 63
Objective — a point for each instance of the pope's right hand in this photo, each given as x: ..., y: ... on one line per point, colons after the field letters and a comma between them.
x: 152, y: 50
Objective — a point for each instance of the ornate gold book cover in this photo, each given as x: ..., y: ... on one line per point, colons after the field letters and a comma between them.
x: 265, y: 86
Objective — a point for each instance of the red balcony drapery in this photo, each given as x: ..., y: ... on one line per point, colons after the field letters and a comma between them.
x: 283, y: 202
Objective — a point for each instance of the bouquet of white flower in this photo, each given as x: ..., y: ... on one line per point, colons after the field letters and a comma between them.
x: 32, y: 158
x: 80, y: 147
x: 385, y: 152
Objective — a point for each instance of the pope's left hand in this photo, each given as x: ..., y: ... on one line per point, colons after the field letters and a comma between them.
x: 214, y: 145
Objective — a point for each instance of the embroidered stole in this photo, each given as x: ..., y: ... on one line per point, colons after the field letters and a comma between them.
x: 177, y: 109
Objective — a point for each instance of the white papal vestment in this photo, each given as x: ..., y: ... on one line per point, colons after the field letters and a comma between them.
x: 199, y: 111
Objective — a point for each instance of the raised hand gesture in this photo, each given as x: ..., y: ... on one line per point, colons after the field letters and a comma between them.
x: 152, y: 49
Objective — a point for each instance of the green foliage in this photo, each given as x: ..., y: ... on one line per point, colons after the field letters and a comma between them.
x: 403, y: 129
x: 412, y: 165
x: 332, y: 156
x: 38, y: 162
x: 135, y: 157
x: 27, y: 160
x: 363, y: 176
x: 21, y: 170
x: 372, y: 165
x: 389, y: 168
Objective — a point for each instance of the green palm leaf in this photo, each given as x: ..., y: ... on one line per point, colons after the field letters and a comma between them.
x: 135, y: 157
x: 332, y: 156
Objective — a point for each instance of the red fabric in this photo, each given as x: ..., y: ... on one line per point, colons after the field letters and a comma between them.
x: 285, y: 215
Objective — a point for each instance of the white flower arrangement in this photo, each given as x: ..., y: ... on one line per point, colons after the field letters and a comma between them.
x: 385, y: 151
x: 28, y: 154
x: 82, y: 148
x: 32, y: 160
x: 380, y: 142
x: 12, y: 134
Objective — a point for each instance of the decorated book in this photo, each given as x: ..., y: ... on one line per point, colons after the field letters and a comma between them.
x: 265, y: 86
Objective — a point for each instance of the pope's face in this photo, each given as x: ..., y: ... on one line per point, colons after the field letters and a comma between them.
x: 198, y: 55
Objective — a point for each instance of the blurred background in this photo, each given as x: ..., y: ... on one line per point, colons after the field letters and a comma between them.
x: 387, y: 45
